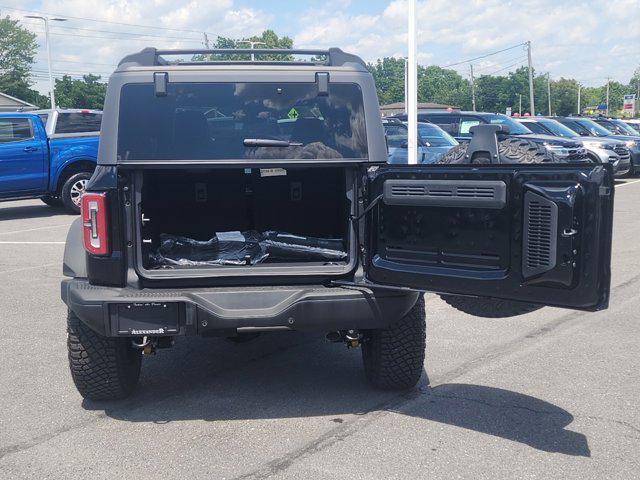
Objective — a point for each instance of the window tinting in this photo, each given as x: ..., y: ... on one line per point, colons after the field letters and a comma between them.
x: 515, y: 128
x: 557, y: 128
x: 575, y: 126
x: 210, y: 121
x: 15, y: 130
x: 465, y: 125
x: 593, y: 128
x: 535, y: 127
x: 44, y: 117
x: 78, y: 122
x: 396, y: 135
x: 435, y: 136
x: 448, y: 123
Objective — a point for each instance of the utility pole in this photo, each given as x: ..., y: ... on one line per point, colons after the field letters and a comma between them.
x: 206, y: 40
x: 52, y: 85
x: 579, y: 106
x: 520, y: 105
x: 532, y: 104
x: 253, y: 45
x: 608, y: 80
x: 412, y: 84
x: 473, y: 89
x: 549, y: 91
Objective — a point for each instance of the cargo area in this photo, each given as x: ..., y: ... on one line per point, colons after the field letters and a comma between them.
x: 227, y: 220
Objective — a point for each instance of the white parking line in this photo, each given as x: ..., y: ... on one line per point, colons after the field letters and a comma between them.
x: 34, y: 229
x: 32, y: 243
x: 30, y: 268
x: 627, y: 183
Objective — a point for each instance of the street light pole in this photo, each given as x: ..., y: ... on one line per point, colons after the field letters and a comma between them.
x: 253, y: 45
x: 473, y: 89
x: 46, y: 20
x: 549, y: 91
x: 608, y: 81
x: 532, y: 104
x: 579, y: 108
x: 520, y: 105
x: 412, y: 84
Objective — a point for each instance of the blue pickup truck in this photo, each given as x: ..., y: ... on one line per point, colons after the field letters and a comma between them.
x: 48, y: 154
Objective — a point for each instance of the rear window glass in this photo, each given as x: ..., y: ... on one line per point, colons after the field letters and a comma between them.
x: 78, y: 122
x: 211, y: 121
x: 15, y: 130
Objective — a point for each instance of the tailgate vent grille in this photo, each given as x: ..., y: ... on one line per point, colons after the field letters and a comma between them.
x: 446, y: 193
x: 540, y: 234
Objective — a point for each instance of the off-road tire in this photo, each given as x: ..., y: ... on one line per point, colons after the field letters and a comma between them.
x: 510, y: 150
x: 67, y: 188
x: 489, y: 307
x: 102, y: 368
x: 54, y: 202
x: 393, y: 357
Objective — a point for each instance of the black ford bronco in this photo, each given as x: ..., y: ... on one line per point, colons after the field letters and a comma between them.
x: 236, y: 196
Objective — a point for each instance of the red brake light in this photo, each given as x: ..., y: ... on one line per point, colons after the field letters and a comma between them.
x: 94, y: 223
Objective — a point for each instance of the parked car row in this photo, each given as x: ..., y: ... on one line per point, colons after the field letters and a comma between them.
x: 433, y: 142
x: 590, y: 130
x: 571, y: 139
x: 599, y: 149
x: 48, y: 154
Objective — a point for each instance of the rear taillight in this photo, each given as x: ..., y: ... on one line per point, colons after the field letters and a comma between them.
x: 94, y: 223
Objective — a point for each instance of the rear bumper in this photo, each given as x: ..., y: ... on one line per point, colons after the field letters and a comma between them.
x: 114, y: 312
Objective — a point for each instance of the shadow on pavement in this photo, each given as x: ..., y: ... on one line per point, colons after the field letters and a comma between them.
x: 29, y: 211
x: 502, y: 413
x: 298, y: 375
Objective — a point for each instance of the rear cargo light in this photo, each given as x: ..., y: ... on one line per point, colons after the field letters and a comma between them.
x: 94, y: 223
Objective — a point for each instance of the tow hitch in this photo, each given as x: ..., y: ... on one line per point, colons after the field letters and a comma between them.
x: 149, y: 345
x: 352, y: 338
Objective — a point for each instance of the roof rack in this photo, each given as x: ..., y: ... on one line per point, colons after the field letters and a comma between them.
x: 152, y: 57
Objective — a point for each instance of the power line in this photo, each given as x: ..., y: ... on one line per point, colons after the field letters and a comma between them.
x: 130, y: 34
x: 504, y: 68
x: 484, y: 56
x: 501, y: 62
x: 140, y: 38
x: 83, y: 63
x: 102, y: 21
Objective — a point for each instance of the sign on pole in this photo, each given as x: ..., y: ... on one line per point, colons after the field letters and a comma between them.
x: 629, y: 104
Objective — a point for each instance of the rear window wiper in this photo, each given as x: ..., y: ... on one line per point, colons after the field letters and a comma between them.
x: 268, y: 142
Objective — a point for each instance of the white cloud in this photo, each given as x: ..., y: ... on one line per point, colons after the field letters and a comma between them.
x: 584, y: 39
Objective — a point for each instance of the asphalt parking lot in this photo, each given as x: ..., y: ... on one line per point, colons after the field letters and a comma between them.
x: 551, y: 394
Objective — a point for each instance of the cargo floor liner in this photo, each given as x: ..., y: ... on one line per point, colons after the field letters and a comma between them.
x: 244, y: 248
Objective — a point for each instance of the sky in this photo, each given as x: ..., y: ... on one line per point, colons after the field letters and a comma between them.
x: 588, y: 40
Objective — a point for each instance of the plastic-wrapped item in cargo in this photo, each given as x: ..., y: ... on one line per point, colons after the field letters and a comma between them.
x: 285, y: 246
x: 225, y: 248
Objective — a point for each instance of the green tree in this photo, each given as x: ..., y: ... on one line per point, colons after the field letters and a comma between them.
x: 564, y: 96
x: 441, y: 85
x: 388, y: 74
x: 86, y: 93
x: 18, y: 48
x: 268, y: 37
